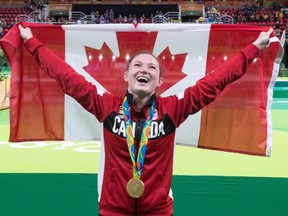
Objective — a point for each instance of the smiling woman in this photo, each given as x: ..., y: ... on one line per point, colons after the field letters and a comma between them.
x: 143, y: 77
x: 129, y: 119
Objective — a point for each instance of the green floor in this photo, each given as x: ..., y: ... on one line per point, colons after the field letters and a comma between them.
x: 76, y: 195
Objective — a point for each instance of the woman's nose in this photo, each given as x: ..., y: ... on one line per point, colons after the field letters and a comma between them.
x: 144, y: 69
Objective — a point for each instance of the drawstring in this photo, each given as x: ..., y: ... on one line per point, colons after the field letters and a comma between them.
x: 136, y: 207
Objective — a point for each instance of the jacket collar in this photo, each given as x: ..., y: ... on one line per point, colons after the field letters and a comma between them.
x: 149, y: 103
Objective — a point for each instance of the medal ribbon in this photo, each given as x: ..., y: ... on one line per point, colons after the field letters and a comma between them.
x: 139, y: 163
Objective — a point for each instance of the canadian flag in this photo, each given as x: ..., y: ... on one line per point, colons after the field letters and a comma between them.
x: 239, y: 120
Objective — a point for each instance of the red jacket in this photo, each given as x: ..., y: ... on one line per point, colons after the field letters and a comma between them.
x: 116, y: 165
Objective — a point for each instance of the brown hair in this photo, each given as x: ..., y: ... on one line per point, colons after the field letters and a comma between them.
x: 148, y: 53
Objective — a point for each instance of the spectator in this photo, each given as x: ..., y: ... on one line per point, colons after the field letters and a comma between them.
x: 277, y: 29
x: 125, y: 20
x: 120, y: 19
x: 3, y: 22
x: 1, y: 32
x: 102, y: 19
x: 93, y: 17
x: 142, y: 18
x: 111, y: 16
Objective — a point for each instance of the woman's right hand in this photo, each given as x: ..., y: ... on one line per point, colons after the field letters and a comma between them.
x: 25, y: 33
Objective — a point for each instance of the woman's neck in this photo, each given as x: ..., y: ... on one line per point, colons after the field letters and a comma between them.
x: 139, y: 103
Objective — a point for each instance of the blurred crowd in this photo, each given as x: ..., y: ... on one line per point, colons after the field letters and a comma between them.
x: 255, y: 14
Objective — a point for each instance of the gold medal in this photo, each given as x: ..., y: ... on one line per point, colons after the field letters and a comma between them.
x: 135, y: 188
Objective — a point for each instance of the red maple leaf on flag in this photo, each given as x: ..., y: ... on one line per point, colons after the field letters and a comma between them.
x: 108, y: 69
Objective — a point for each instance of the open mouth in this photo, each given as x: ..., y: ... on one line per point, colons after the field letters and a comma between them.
x: 142, y: 79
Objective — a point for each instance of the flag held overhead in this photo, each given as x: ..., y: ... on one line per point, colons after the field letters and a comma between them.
x: 239, y: 120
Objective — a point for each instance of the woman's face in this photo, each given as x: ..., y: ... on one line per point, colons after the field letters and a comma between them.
x: 143, y: 75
